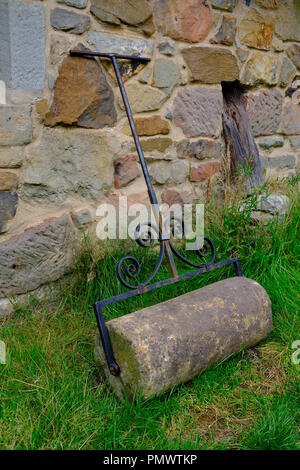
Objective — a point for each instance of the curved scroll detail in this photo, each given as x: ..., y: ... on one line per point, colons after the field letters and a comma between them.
x: 132, y: 266
x: 207, y: 247
x: 150, y: 239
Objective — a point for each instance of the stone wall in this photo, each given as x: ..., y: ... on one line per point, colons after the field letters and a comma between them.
x: 65, y: 144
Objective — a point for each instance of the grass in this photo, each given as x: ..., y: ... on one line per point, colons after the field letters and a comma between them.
x: 53, y: 398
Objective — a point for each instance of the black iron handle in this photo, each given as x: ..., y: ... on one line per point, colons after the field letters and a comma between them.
x: 108, y: 55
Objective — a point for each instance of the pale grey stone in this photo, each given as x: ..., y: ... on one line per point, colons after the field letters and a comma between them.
x: 6, y: 308
x: 11, y: 157
x: 130, y: 12
x: 165, y: 75
x: 274, y: 204
x: 263, y: 218
x: 200, y: 149
x: 242, y: 54
x: 294, y: 54
x: 22, y: 25
x: 81, y: 217
x: 228, y: 5
x: 112, y: 43
x: 282, y: 162
x: 269, y: 142
x: 261, y: 68
x: 74, y: 3
x: 295, y: 142
x: 198, y: 111
x: 160, y: 172
x: 69, y: 21
x: 145, y: 75
x: 39, y: 255
x: 15, y: 125
x: 60, y: 46
x: 167, y: 47
x: 65, y: 162
x: 287, y: 72
x: 8, y: 208
x: 143, y: 98
x: 179, y: 171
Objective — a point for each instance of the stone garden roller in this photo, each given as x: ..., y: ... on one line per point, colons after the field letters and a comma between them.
x: 152, y: 350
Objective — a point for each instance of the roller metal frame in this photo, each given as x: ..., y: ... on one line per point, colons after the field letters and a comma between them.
x: 167, y: 249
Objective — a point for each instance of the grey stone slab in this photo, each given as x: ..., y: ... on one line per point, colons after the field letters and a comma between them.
x: 27, y: 44
x: 69, y: 21
x: 272, y: 141
x: 74, y: 3
x: 122, y: 45
x: 39, y: 255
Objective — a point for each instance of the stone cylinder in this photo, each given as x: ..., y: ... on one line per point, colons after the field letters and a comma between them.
x: 169, y: 343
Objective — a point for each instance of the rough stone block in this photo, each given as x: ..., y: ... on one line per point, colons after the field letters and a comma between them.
x: 264, y: 109
x: 143, y: 98
x: 82, y: 96
x: 65, y: 20
x: 148, y: 126
x: 39, y: 255
x: 295, y: 142
x: 261, y: 68
x: 6, y: 308
x: 173, y: 196
x: 8, y: 180
x: 160, y: 144
x: 166, y: 75
x: 200, y: 149
x: 226, y: 31
x: 274, y: 204
x: 74, y: 3
x: 15, y: 125
x: 167, y: 47
x: 204, y: 171
x: 287, y: 20
x: 11, y: 157
x: 287, y: 72
x: 160, y: 172
x: 187, y: 21
x: 280, y: 163
x: 132, y: 12
x: 290, y: 123
x: 211, y: 64
x: 66, y: 162
x: 169, y: 343
x: 59, y: 48
x: 8, y: 208
x: 271, y: 142
x: 256, y: 30
x: 126, y: 170
x: 82, y: 217
x: 198, y: 111
x: 294, y: 54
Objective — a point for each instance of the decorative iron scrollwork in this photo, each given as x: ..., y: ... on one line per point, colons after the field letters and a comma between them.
x: 130, y: 267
